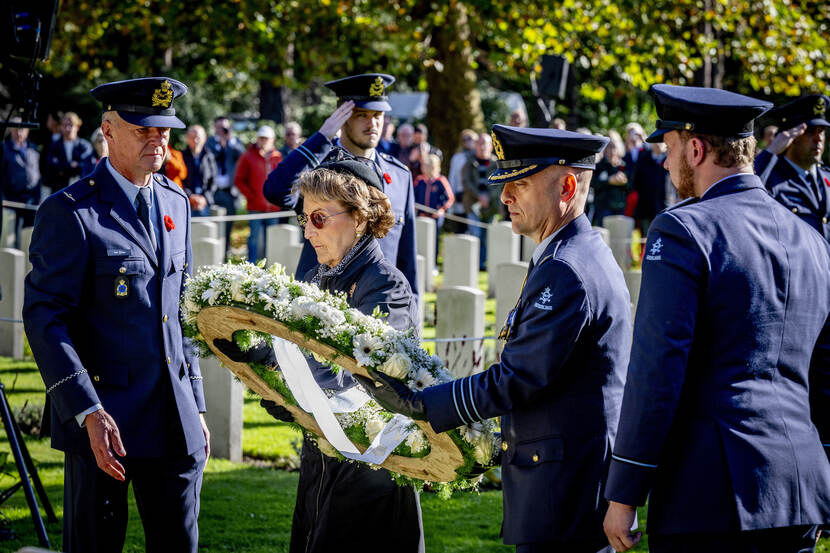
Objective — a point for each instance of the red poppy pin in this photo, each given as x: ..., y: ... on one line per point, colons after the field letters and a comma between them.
x: 387, y: 178
x: 168, y: 223
x: 827, y: 181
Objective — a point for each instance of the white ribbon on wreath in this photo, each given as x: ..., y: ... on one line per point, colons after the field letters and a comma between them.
x: 310, y: 398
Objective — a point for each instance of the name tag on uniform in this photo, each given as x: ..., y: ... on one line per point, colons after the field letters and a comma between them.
x: 118, y: 253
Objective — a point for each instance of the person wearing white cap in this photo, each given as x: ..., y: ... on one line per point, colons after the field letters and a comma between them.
x: 260, y: 159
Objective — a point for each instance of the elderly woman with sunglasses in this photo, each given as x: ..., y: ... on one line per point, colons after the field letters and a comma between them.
x: 345, y: 506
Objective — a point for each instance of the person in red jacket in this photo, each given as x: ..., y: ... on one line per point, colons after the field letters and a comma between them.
x: 254, y: 165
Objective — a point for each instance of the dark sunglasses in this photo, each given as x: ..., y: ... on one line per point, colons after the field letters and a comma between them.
x: 317, y: 218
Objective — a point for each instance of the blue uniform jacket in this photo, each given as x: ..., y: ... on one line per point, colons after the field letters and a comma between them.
x: 729, y: 382
x: 793, y: 191
x: 398, y: 246
x: 558, y: 386
x: 92, y: 345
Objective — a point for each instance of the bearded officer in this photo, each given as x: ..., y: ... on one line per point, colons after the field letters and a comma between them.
x: 109, y: 257
x: 562, y: 371
x: 727, y: 402
x: 362, y: 101
x: 790, y: 166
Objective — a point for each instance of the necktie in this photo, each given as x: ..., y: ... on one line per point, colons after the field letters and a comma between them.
x: 504, y: 334
x: 144, y: 213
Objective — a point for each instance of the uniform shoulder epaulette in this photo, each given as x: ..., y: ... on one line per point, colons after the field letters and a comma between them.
x: 393, y: 160
x: 687, y: 201
x: 79, y: 189
x: 164, y: 181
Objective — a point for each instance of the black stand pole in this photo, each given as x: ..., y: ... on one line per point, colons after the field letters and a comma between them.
x: 23, y: 463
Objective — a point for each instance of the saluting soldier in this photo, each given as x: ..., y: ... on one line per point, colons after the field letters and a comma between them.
x: 109, y: 257
x: 790, y: 166
x: 727, y: 402
x: 362, y: 101
x: 562, y: 371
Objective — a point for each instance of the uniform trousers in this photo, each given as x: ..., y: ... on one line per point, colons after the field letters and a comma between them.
x: 792, y: 539
x: 167, y: 496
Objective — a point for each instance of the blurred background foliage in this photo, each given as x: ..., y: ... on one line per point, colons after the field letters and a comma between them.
x: 268, y: 58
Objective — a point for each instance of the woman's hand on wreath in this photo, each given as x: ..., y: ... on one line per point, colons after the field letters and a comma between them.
x: 277, y: 411
x: 261, y: 353
x: 393, y: 395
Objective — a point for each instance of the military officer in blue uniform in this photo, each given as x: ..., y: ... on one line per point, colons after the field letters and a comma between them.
x: 359, y: 119
x: 562, y: 371
x: 725, y: 420
x: 109, y: 258
x: 790, y: 166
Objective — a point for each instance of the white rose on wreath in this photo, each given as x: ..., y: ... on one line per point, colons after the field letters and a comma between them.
x: 396, y: 366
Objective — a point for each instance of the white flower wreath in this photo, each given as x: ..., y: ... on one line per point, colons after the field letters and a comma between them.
x: 328, y: 318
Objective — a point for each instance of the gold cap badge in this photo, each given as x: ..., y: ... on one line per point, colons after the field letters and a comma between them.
x: 376, y: 88
x: 163, y: 95
x: 818, y: 109
x: 497, y: 146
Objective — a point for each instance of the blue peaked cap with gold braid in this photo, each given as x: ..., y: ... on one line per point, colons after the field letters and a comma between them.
x: 522, y: 152
x: 367, y: 91
x: 146, y: 102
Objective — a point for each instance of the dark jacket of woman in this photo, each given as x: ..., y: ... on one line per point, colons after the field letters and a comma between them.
x: 339, y: 502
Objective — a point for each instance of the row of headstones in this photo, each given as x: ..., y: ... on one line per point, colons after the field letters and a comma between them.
x: 460, y: 307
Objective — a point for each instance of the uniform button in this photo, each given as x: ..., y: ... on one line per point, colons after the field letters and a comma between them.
x: 92, y: 182
x: 535, y: 458
x: 188, y: 365
x: 96, y: 378
x: 185, y: 265
x: 168, y: 360
x: 400, y: 220
x: 795, y: 210
x: 164, y: 319
x: 504, y: 446
x: 824, y: 220
x: 122, y: 270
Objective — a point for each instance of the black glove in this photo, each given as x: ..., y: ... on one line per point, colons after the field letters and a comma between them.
x: 277, y: 411
x: 393, y: 395
x: 261, y: 353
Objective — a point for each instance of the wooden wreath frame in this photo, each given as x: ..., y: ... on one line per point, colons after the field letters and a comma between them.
x: 221, y: 322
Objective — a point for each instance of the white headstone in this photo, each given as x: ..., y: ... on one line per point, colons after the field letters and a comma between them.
x: 460, y: 315
x: 202, y: 229
x: 606, y: 235
x: 461, y: 253
x: 219, y: 211
x: 509, y: 278
x: 620, y: 228
x: 224, y: 402
x: 421, y: 286
x: 528, y: 246
x: 11, y: 305
x: 7, y: 231
x: 25, y: 243
x: 502, y: 247
x: 632, y: 281
x: 291, y: 258
x: 207, y: 251
x: 425, y: 240
x: 277, y: 239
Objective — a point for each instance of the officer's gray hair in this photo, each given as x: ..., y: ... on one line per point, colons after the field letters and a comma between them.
x: 728, y: 151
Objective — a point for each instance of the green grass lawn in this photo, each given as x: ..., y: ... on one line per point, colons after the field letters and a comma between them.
x: 247, y: 507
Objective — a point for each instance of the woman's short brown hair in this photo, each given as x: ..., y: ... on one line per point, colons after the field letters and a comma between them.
x: 362, y: 201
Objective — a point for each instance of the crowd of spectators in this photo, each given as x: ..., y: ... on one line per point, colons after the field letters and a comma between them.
x: 219, y: 170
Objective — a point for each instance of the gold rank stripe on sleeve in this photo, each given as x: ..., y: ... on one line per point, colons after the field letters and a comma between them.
x: 633, y: 462
x: 514, y: 173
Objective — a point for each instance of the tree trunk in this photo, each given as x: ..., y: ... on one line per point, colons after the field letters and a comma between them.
x: 454, y: 103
